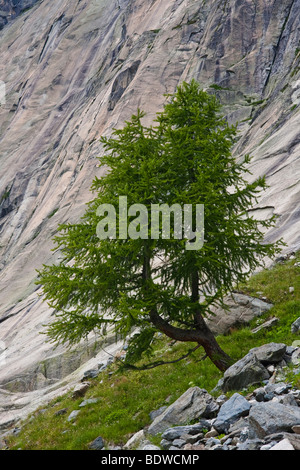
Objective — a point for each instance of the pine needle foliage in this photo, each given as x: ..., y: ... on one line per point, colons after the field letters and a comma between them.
x: 147, y: 284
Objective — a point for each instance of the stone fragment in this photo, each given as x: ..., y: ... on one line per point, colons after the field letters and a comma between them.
x: 193, y: 429
x: 73, y: 415
x: 97, y: 444
x: 266, y: 325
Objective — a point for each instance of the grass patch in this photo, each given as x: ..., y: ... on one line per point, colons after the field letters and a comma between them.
x: 126, y: 397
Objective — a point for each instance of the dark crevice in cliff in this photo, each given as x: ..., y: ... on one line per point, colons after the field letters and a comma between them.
x: 277, y: 47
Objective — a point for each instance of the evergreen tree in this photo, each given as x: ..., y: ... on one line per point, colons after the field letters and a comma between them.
x: 136, y: 278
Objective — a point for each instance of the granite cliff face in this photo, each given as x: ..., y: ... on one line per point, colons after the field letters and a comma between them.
x: 9, y: 9
x: 75, y: 69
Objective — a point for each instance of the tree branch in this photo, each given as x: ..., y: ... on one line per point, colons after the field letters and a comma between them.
x: 152, y: 365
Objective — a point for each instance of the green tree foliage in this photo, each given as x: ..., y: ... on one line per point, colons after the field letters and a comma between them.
x: 144, y: 284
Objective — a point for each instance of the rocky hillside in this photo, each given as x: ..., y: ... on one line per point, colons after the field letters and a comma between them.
x: 73, y: 71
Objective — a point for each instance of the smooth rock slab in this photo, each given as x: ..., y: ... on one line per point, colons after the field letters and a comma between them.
x: 270, y: 417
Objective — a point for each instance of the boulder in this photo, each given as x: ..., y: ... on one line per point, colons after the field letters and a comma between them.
x: 270, y: 353
x: 230, y: 412
x: 195, y: 403
x: 272, y: 417
x: 245, y: 372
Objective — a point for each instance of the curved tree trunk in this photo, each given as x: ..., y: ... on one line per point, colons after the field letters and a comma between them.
x: 201, y: 335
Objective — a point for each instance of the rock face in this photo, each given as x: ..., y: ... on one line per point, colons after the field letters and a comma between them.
x: 241, y: 310
x: 75, y: 70
x: 9, y: 9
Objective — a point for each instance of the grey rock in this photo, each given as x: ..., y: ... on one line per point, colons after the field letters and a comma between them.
x: 283, y: 445
x: 241, y: 309
x: 236, y: 407
x: 195, y: 403
x: 218, y: 447
x: 240, y: 428
x: 61, y: 412
x: 73, y: 415
x: 191, y: 439
x: 177, y: 431
x: 97, y: 444
x: 151, y: 447
x: 89, y: 401
x: 296, y: 429
x: 277, y: 388
x: 288, y: 399
x: 165, y: 444
x: 91, y: 374
x: 138, y: 439
x: 178, y: 443
x: 33, y: 168
x: 266, y: 325
x: 269, y: 353
x: 80, y: 390
x: 295, y: 327
x: 251, y: 444
x: 247, y: 371
x: 259, y: 394
x: 212, y: 433
x: 269, y: 418
x: 296, y: 357
x: 211, y: 442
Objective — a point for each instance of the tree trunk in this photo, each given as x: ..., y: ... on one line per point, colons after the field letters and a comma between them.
x: 201, y: 335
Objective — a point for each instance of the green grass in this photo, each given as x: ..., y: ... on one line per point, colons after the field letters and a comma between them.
x: 125, y: 398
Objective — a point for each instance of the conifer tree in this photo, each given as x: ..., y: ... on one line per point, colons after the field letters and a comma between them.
x: 135, y: 280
